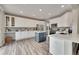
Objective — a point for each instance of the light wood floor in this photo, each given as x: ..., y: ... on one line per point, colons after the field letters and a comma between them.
x: 25, y: 47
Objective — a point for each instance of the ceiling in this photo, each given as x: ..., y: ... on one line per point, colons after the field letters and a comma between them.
x: 38, y: 11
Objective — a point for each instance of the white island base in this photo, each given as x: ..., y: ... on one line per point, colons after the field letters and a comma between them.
x: 24, y: 35
x: 62, y: 44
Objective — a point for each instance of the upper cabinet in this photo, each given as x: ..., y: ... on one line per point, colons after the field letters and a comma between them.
x: 13, y: 21
x: 10, y: 21
x: 63, y: 21
x: 7, y: 20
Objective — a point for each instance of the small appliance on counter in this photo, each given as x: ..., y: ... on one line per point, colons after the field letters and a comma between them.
x: 69, y: 30
x: 64, y: 30
x: 40, y: 36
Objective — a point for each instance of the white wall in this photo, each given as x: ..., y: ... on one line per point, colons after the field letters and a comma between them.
x: 2, y: 29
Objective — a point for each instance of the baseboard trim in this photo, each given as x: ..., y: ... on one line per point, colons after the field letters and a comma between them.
x: 25, y: 39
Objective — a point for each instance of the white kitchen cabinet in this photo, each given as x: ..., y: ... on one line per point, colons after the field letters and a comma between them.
x: 10, y: 21
x: 56, y: 46
x: 24, y: 35
x: 65, y: 20
x: 59, y: 46
x: 22, y: 22
x: 17, y: 36
x: 68, y: 47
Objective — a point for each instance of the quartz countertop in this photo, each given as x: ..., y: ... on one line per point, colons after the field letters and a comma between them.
x: 70, y: 37
x: 9, y: 32
x: 40, y: 31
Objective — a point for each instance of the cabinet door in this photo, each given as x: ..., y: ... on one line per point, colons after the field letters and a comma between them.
x: 12, y: 21
x: 51, y: 45
x: 56, y: 46
x: 17, y: 35
x: 65, y: 20
x: 25, y: 35
x: 7, y: 20
x: 67, y: 47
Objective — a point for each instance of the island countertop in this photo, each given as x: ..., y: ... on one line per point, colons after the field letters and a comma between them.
x: 70, y: 37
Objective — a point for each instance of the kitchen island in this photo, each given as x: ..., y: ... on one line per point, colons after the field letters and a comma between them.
x: 20, y: 35
x: 24, y: 35
x: 63, y: 44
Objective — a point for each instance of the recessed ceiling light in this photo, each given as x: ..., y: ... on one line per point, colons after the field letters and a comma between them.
x: 62, y: 6
x: 21, y: 11
x: 40, y: 9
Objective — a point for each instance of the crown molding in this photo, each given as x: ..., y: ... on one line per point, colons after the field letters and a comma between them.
x: 59, y: 14
x: 24, y: 16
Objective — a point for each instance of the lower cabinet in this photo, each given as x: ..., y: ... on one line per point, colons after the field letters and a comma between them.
x: 24, y: 35
x: 58, y: 46
x: 17, y: 36
x: 68, y: 47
